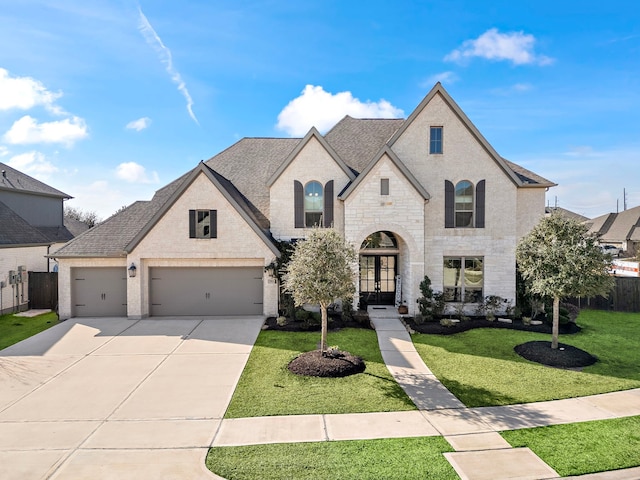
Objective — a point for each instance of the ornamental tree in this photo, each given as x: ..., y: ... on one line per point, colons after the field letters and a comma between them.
x: 558, y: 259
x: 320, y: 272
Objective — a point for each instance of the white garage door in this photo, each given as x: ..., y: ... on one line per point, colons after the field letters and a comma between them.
x: 177, y: 291
x: 99, y: 292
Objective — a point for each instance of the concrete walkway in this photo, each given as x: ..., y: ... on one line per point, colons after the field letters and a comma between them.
x: 112, y: 398
x: 481, y: 453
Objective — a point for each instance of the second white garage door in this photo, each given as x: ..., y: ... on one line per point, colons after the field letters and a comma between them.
x: 177, y: 291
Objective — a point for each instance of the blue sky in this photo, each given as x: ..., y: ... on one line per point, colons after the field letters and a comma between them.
x: 110, y: 100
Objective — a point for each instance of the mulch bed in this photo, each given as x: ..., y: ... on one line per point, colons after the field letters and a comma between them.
x: 565, y: 356
x: 434, y: 327
x: 336, y: 364
x: 335, y: 323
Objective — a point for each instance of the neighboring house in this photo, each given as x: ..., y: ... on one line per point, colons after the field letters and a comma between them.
x: 31, y: 226
x: 621, y: 230
x: 423, y: 196
x: 565, y: 213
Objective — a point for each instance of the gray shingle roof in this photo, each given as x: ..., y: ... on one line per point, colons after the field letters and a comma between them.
x: 16, y: 231
x: 12, y: 179
x: 244, y: 170
x: 617, y: 227
x: 358, y: 140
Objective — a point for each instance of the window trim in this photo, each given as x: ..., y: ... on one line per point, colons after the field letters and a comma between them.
x: 384, y: 187
x: 463, y: 287
x: 212, y: 215
x: 436, y: 145
x: 306, y: 210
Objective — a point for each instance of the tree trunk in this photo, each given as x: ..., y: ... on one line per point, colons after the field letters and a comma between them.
x: 556, y: 323
x: 324, y: 326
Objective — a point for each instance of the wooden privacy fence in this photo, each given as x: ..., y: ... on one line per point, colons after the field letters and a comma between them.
x: 625, y: 297
x: 43, y: 290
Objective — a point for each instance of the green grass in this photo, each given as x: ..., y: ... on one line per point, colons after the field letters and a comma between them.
x: 267, y: 387
x: 398, y: 458
x: 582, y: 448
x: 481, y: 368
x: 15, y: 329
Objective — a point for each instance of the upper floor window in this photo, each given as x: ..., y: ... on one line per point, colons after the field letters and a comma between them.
x: 313, y: 204
x: 203, y: 223
x: 464, y: 204
x: 435, y: 140
x: 384, y: 186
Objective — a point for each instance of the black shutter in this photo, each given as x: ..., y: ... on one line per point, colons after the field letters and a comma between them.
x: 480, y: 194
x: 449, y: 204
x: 328, y: 204
x: 298, y: 202
x: 213, y: 224
x: 192, y: 224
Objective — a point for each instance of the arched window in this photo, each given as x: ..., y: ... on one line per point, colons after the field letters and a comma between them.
x: 464, y: 204
x: 313, y: 204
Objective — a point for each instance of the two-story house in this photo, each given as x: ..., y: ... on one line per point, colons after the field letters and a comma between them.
x: 31, y: 226
x: 426, y: 195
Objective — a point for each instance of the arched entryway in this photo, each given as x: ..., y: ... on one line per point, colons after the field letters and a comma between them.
x: 378, y: 268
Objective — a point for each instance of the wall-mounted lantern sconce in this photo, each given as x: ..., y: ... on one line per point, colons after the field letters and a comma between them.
x: 132, y: 270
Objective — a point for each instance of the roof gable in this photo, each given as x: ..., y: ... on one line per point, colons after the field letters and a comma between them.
x: 312, y: 134
x: 229, y: 194
x: 439, y: 90
x: 385, y: 151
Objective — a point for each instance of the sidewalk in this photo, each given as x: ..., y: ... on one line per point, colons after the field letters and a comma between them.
x: 481, y: 453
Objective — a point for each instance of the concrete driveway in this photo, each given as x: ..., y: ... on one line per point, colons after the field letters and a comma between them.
x: 111, y: 398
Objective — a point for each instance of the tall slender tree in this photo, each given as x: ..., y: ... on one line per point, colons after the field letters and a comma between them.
x: 559, y: 259
x: 320, y: 272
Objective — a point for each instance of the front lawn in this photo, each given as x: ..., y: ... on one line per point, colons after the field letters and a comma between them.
x: 481, y: 368
x: 14, y: 329
x: 267, y: 387
x: 582, y: 448
x: 396, y: 458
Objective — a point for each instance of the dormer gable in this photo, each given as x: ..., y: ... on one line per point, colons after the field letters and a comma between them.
x: 312, y: 135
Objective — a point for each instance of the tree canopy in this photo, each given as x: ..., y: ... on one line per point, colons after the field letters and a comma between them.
x: 321, y: 271
x: 559, y: 259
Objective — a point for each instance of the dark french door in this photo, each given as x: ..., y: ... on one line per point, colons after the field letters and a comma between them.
x: 378, y: 279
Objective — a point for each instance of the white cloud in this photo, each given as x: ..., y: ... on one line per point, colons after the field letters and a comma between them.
x: 155, y: 41
x: 516, y: 47
x: 317, y: 108
x: 139, y: 124
x: 133, y: 172
x: 443, y: 77
x: 33, y: 163
x: 27, y: 130
x: 4, y: 151
x: 24, y: 93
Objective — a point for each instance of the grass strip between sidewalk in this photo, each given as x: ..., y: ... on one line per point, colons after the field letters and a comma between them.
x: 389, y: 459
x: 583, y: 448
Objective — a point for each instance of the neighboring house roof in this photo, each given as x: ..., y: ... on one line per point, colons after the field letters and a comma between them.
x: 16, y: 231
x: 12, y: 179
x: 617, y: 227
x: 565, y: 213
x: 75, y: 227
